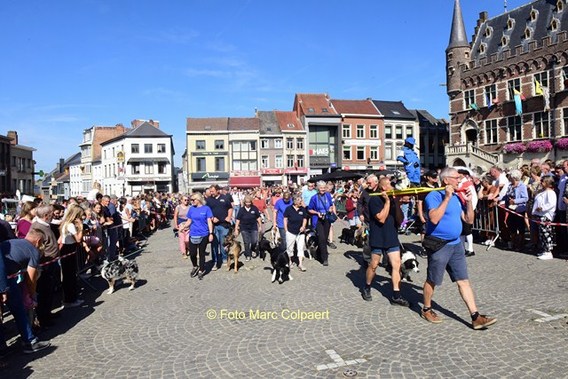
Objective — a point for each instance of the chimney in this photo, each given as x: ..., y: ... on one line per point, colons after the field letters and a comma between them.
x: 61, y: 163
x: 13, y: 135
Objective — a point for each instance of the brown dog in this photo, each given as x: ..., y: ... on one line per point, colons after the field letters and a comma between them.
x: 233, y: 248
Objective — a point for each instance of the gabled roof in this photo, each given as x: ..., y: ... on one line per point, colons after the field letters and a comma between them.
x: 243, y: 124
x: 424, y: 117
x: 146, y: 130
x: 355, y: 107
x: 73, y: 160
x: 521, y: 20
x: 306, y: 104
x: 288, y: 121
x: 267, y: 122
x: 213, y: 124
x: 393, y: 110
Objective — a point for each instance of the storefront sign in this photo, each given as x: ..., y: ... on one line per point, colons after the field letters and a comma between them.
x: 210, y: 176
x: 271, y: 171
x: 299, y: 170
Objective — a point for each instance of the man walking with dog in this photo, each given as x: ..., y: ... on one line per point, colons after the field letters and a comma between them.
x: 222, y: 207
x: 383, y: 239
x: 445, y: 250
x: 372, y: 186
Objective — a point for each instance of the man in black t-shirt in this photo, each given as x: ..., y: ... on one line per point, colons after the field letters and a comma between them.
x: 222, y: 208
x: 295, y: 221
x: 383, y: 239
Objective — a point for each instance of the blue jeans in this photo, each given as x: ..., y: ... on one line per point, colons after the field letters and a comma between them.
x: 250, y: 238
x: 112, y: 240
x: 16, y: 305
x: 283, y: 244
x: 217, y: 248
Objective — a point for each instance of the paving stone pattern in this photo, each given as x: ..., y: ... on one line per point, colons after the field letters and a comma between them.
x: 174, y: 326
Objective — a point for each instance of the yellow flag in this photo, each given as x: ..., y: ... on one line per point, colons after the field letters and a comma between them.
x: 538, y: 88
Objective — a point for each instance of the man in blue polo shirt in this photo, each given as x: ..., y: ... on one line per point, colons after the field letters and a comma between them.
x: 445, y: 250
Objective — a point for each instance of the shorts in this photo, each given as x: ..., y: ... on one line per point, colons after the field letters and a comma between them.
x: 450, y: 258
x: 380, y: 251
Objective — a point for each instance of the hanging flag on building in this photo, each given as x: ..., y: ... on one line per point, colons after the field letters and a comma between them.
x: 564, y: 78
x: 488, y: 101
x: 518, y: 103
x: 546, y: 96
x: 538, y: 88
x: 474, y: 106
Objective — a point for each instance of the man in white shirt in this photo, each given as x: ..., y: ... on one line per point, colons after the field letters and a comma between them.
x: 500, y: 181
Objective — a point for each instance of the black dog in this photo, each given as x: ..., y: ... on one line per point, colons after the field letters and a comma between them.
x: 279, y: 260
x: 348, y: 235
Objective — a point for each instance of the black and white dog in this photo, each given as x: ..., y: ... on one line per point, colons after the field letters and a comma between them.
x: 121, y: 268
x: 311, y: 243
x: 279, y: 260
x: 408, y: 264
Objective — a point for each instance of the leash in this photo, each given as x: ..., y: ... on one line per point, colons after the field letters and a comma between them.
x: 547, y: 223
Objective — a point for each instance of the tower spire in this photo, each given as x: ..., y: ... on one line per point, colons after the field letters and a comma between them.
x: 458, y: 38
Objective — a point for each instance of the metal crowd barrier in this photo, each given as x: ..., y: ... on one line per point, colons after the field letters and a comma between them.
x: 486, y: 222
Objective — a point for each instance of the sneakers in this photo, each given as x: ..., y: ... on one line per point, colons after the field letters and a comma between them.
x: 331, y: 245
x: 469, y: 253
x: 399, y: 301
x: 367, y: 294
x: 301, y: 268
x: 35, y: 346
x: 326, y: 263
x: 482, y: 322
x: 247, y: 259
x: 200, y: 275
x: 194, y: 272
x: 76, y: 303
x: 545, y: 256
x: 431, y: 316
x: 215, y: 268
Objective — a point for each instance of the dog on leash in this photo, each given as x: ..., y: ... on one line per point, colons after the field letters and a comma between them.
x: 279, y: 260
x: 122, y: 268
x: 408, y: 264
x: 348, y: 235
x: 233, y: 249
x: 311, y: 243
x: 361, y: 235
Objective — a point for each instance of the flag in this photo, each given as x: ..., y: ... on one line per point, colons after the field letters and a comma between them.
x: 488, y: 101
x: 546, y: 96
x: 474, y: 106
x: 564, y: 78
x: 538, y: 88
x: 518, y: 103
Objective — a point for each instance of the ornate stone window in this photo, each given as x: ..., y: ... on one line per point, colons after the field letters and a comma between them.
x: 482, y: 48
x: 559, y: 6
x: 528, y: 33
x: 488, y: 32
x: 554, y: 24
x: 504, y: 41
x: 510, y: 23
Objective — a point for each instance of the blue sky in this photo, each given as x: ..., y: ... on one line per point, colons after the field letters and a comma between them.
x: 71, y: 64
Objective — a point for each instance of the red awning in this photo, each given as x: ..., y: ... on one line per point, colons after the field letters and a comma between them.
x: 244, y: 181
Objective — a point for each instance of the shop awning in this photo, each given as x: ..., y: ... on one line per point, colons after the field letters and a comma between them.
x: 244, y: 181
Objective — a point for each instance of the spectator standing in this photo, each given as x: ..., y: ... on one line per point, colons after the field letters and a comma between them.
x: 26, y: 217
x: 278, y: 218
x: 180, y: 217
x: 516, y: 200
x: 320, y: 206
x: 544, y: 209
x: 71, y: 236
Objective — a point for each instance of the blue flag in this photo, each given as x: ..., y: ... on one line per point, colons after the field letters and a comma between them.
x: 518, y: 104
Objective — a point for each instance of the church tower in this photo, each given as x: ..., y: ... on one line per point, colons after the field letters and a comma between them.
x: 458, y: 52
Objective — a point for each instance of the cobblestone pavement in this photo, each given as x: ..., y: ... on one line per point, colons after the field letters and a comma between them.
x: 174, y: 326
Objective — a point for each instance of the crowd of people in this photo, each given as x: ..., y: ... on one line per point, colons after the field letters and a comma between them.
x: 46, y: 237
x: 45, y: 245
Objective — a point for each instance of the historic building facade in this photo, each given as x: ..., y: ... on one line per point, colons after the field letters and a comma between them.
x: 507, y: 89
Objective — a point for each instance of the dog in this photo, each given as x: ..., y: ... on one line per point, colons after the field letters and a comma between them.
x: 122, y: 268
x: 348, y: 235
x: 233, y: 249
x: 279, y: 260
x: 361, y: 235
x: 311, y: 243
x: 408, y: 264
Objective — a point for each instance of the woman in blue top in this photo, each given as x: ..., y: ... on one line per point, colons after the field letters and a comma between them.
x: 200, y: 224
x: 321, y: 205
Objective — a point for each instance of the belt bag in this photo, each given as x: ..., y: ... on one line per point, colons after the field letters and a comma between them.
x: 332, y: 217
x: 196, y: 240
x: 432, y: 244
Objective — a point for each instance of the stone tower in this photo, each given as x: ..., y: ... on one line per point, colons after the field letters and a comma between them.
x: 458, y: 52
